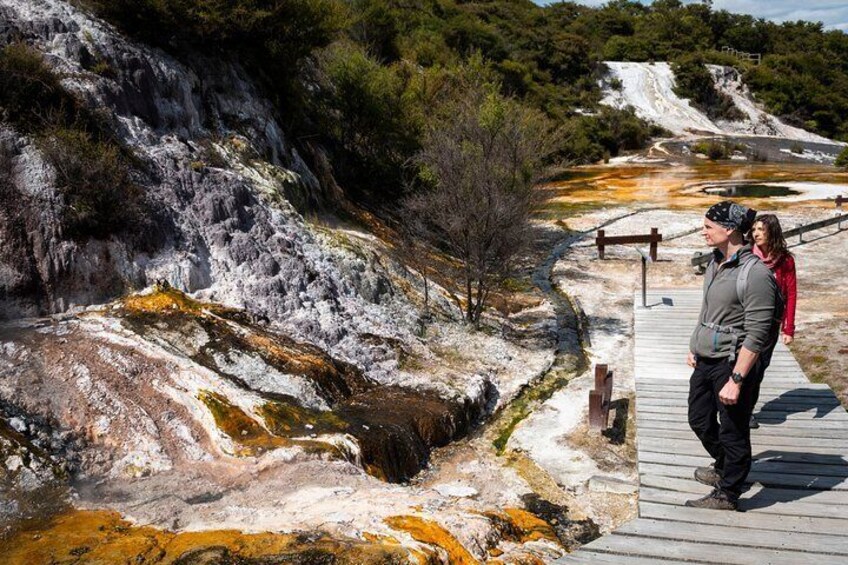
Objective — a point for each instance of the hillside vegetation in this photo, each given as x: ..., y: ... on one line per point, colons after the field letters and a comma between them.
x: 362, y: 76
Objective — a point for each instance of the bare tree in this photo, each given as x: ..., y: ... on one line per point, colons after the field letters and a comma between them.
x: 479, y: 164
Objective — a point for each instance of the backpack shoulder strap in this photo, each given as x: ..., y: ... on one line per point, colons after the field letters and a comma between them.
x: 742, y: 277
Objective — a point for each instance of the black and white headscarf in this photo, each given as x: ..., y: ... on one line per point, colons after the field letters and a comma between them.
x: 732, y: 216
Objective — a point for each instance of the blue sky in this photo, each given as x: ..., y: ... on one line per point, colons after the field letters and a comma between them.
x: 834, y: 13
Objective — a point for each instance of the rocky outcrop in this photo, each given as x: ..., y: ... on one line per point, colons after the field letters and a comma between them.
x: 161, y: 382
x: 219, y: 179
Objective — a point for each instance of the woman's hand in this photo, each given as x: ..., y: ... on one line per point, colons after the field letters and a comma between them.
x: 787, y: 339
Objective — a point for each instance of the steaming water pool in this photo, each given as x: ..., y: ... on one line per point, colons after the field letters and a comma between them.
x: 793, y: 191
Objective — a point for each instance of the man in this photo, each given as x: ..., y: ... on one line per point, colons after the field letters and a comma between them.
x: 724, y: 350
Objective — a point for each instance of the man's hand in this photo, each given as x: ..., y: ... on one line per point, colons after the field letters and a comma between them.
x: 729, y: 393
x: 787, y: 339
x: 690, y: 359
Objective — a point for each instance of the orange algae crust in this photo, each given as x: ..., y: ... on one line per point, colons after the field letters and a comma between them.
x: 290, y: 419
x: 252, y: 439
x: 295, y: 358
x: 531, y: 526
x: 429, y: 532
x: 103, y: 538
x: 165, y: 300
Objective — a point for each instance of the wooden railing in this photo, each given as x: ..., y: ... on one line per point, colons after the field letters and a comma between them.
x: 755, y: 58
x: 600, y: 399
x: 653, y: 238
x: 700, y: 259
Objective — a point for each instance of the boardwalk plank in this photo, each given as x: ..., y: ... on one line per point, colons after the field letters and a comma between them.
x: 721, y: 534
x: 586, y: 557
x: 789, y: 461
x: 746, y: 520
x: 756, y: 506
x: 732, y: 554
x: 754, y: 492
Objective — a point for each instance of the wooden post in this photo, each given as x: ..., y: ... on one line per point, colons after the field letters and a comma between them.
x: 601, y: 376
x: 596, y: 410
x: 599, y: 399
x: 800, y: 234
x: 655, y: 238
x: 600, y: 241
x: 839, y: 201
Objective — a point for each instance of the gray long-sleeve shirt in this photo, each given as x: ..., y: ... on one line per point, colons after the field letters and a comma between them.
x: 751, y: 319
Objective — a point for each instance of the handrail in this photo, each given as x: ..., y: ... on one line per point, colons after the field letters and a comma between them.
x: 654, y: 238
x: 701, y: 258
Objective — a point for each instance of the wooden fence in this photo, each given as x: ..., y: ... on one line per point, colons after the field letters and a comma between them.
x: 653, y: 238
x: 755, y: 58
x: 700, y: 259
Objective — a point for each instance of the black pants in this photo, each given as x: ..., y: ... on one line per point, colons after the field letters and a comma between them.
x: 763, y: 363
x: 724, y: 430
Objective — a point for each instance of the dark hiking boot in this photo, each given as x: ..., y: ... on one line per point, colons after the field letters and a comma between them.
x: 716, y: 500
x: 754, y: 424
x: 707, y: 475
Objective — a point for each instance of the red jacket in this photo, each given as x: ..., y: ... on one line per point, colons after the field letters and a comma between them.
x: 784, y: 272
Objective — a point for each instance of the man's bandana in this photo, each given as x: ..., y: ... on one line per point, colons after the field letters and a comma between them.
x: 732, y: 216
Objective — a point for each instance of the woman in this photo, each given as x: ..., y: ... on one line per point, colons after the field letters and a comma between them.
x: 770, y: 247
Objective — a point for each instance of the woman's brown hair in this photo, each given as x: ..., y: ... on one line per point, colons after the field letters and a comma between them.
x: 774, y: 235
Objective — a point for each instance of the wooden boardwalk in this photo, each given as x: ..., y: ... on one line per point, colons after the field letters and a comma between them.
x: 796, y: 510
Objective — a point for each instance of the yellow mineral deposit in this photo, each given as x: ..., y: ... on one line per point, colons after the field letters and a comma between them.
x: 531, y: 526
x: 431, y: 533
x: 164, y: 300
x: 103, y: 538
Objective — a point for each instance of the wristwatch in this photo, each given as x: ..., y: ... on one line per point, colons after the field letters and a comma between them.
x: 737, y: 378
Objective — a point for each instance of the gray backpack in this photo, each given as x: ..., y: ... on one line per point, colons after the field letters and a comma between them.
x: 741, y: 287
x: 779, y: 299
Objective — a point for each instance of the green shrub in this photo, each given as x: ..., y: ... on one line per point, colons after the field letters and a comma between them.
x: 362, y: 111
x: 716, y: 149
x: 270, y: 36
x: 30, y: 93
x: 93, y: 177
x: 842, y: 159
x: 104, y: 69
